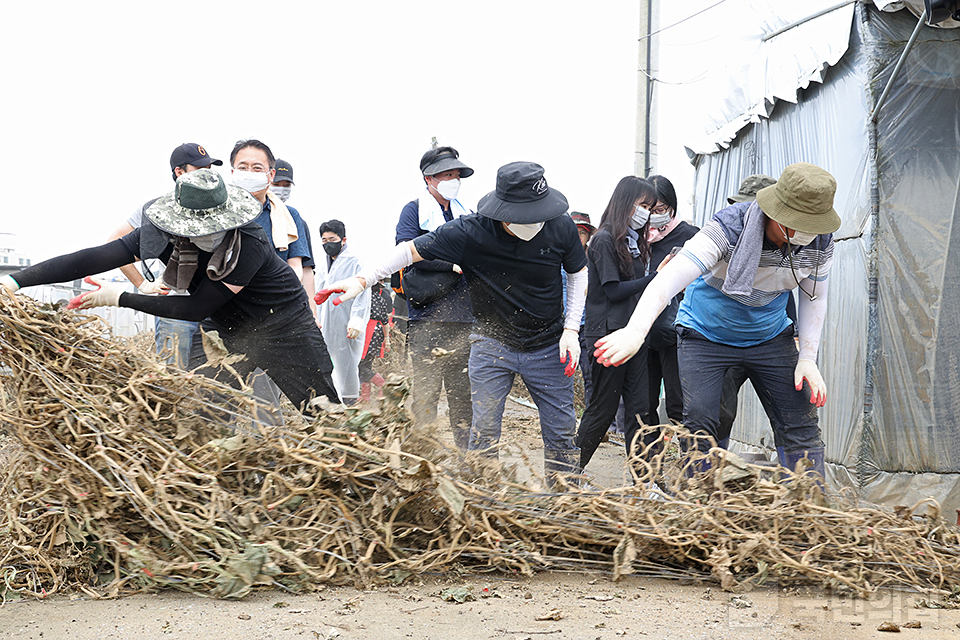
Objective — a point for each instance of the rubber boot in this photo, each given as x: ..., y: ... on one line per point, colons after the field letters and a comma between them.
x: 560, y: 461
x: 378, y: 380
x: 365, y: 392
x: 701, y: 465
x: 815, y: 455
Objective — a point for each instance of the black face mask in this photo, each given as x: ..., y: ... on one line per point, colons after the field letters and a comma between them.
x: 333, y: 248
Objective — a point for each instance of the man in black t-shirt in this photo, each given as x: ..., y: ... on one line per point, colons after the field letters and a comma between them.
x: 238, y: 286
x: 511, y: 253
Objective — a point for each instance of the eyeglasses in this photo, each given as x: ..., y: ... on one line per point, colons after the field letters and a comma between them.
x: 255, y: 168
x: 661, y: 209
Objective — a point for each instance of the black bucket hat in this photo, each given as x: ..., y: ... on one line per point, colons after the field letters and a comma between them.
x: 443, y: 159
x: 522, y: 196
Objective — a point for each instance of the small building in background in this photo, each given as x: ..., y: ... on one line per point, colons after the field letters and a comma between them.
x: 124, y: 322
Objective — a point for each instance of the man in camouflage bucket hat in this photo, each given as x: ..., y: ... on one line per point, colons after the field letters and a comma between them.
x: 173, y: 336
x: 238, y: 285
x: 202, y: 204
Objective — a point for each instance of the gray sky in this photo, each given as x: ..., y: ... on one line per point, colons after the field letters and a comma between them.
x: 98, y: 94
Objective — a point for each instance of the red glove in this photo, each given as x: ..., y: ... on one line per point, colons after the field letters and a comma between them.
x: 571, y: 364
x: 323, y: 294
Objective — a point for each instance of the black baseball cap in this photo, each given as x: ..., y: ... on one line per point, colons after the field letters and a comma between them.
x: 284, y: 171
x: 191, y: 153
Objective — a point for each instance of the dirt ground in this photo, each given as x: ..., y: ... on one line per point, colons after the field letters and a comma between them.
x: 547, y: 606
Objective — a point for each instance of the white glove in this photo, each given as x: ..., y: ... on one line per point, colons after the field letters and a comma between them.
x: 619, y: 346
x: 355, y: 328
x: 457, y: 269
x: 570, y: 343
x: 9, y: 284
x: 148, y: 288
x: 107, y: 294
x: 807, y: 370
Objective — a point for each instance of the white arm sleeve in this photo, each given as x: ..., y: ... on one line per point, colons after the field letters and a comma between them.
x: 576, y: 299
x: 674, y: 278
x: 399, y: 258
x: 810, y: 316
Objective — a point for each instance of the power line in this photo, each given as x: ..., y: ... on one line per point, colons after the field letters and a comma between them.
x: 680, y: 21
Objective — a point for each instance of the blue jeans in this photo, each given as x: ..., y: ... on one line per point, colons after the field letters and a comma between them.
x: 769, y: 366
x: 493, y: 367
x: 176, y: 336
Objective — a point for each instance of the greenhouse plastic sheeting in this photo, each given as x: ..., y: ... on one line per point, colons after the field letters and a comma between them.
x: 772, y: 69
x: 897, y: 441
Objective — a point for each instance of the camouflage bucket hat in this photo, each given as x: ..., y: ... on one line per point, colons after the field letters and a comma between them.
x: 201, y: 204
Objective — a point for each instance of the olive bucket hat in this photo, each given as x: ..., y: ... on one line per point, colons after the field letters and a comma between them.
x: 802, y: 199
x: 522, y: 196
x: 201, y: 204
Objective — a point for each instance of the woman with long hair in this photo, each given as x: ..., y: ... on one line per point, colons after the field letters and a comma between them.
x: 665, y: 231
x: 618, y: 260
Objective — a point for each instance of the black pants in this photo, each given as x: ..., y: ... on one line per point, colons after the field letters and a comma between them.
x: 365, y: 367
x: 662, y: 365
x: 298, y: 363
x: 770, y: 368
x: 431, y: 372
x: 628, y: 381
x: 732, y: 382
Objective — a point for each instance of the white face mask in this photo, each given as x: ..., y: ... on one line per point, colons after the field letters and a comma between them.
x: 640, y: 217
x: 448, y: 189
x: 799, y: 239
x: 658, y: 220
x: 282, y: 192
x: 210, y: 242
x: 525, y: 231
x: 251, y: 181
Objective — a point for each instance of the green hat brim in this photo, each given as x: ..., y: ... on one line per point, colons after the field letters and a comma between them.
x: 239, y: 209
x: 779, y: 211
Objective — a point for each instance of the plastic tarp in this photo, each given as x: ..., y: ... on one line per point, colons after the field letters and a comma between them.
x: 897, y: 441
x: 772, y: 69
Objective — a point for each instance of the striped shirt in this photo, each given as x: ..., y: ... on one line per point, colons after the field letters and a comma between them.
x: 744, y: 321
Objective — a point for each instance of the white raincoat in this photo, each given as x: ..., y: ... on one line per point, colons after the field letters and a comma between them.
x: 334, y: 321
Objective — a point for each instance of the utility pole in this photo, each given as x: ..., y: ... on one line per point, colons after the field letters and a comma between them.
x: 645, y: 153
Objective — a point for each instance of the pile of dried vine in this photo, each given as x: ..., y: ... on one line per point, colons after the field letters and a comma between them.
x: 128, y: 475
